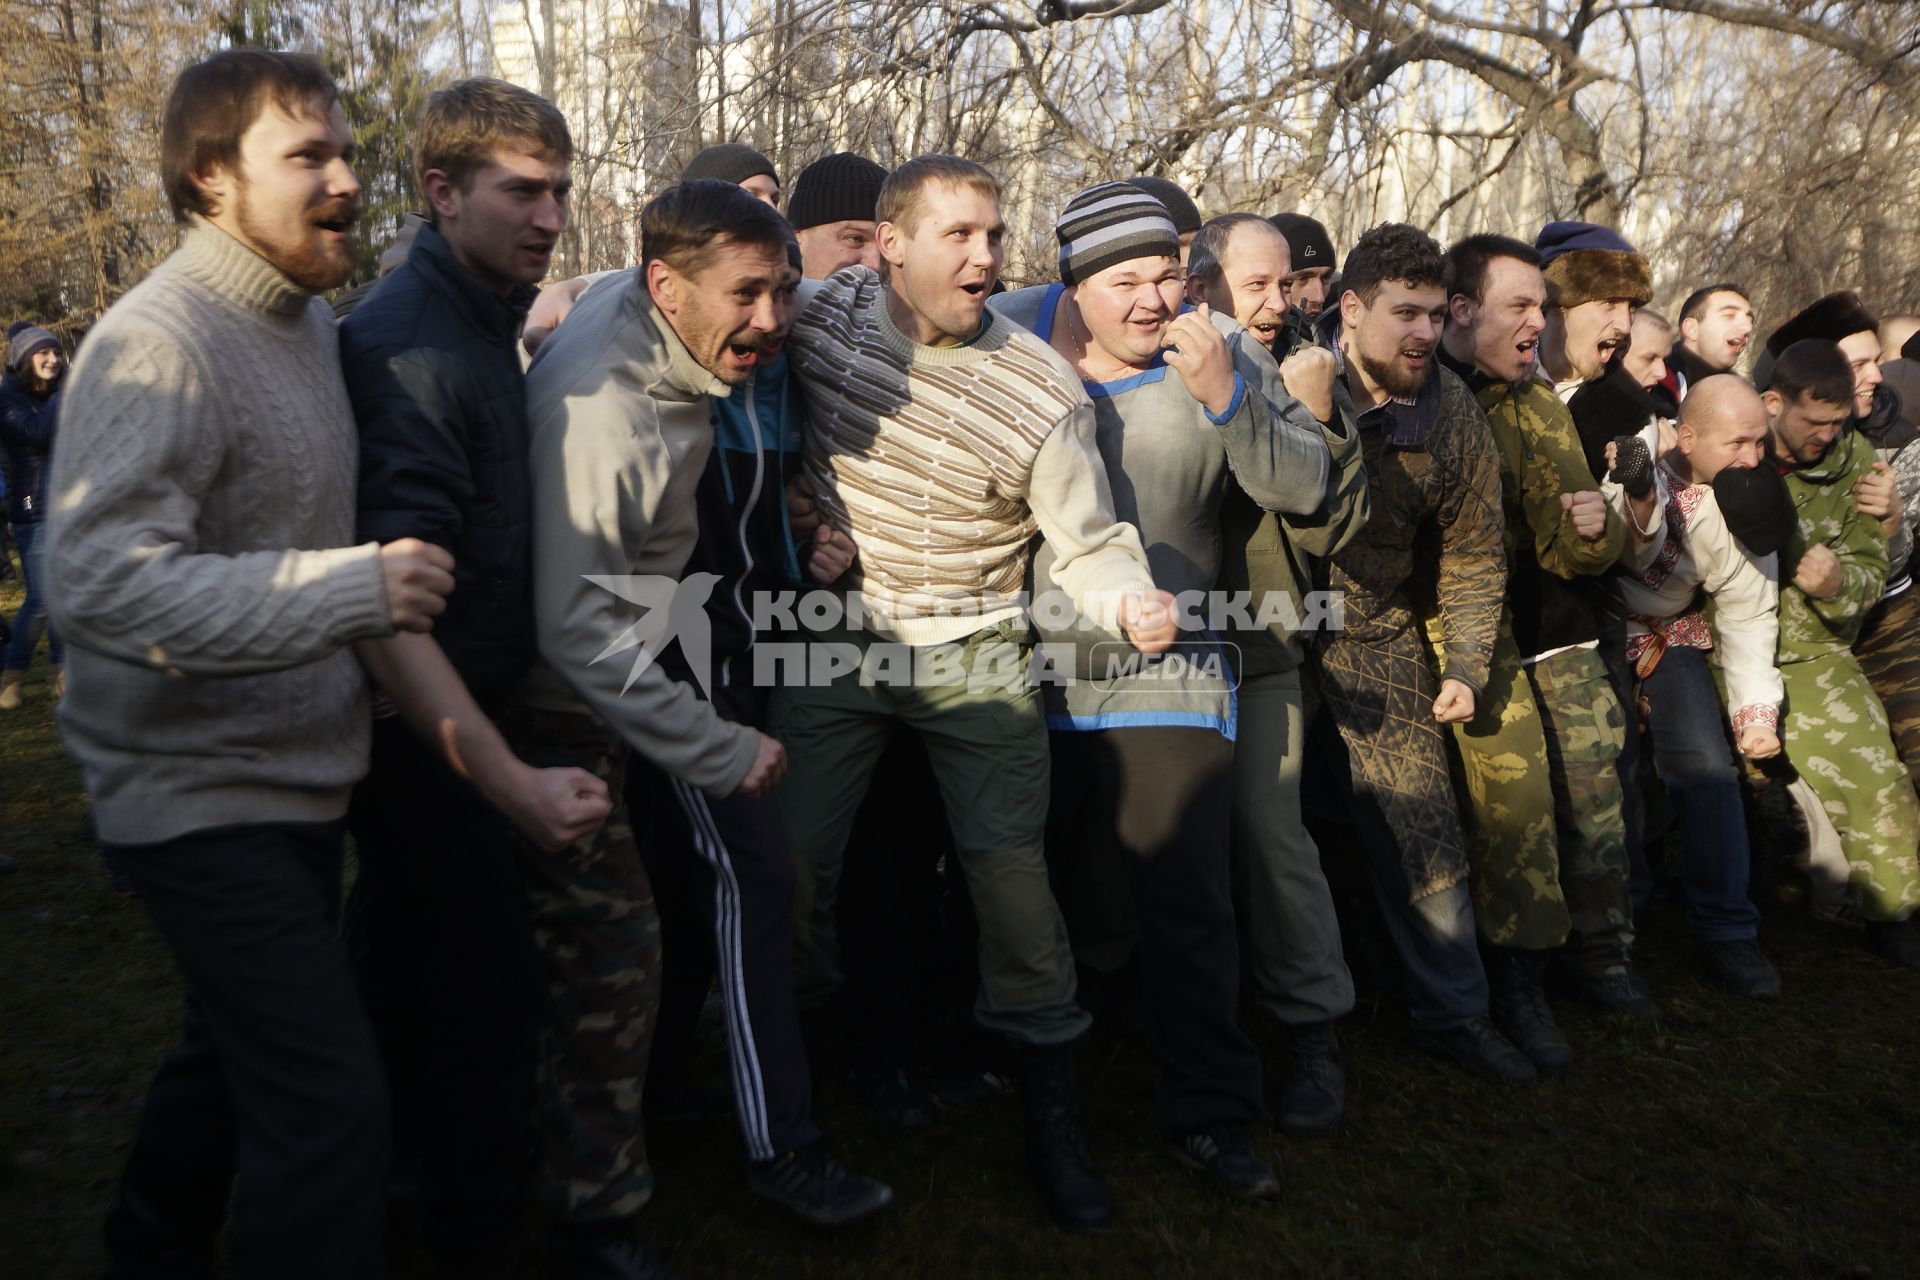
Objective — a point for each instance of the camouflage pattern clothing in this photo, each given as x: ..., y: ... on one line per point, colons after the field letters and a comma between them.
x: 1586, y: 731
x: 1889, y: 652
x: 1509, y: 789
x: 1499, y: 762
x: 1888, y: 645
x: 597, y: 931
x: 1432, y: 543
x: 1833, y: 725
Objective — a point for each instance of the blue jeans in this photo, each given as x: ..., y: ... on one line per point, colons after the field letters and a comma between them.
x: 1686, y: 730
x: 32, y: 618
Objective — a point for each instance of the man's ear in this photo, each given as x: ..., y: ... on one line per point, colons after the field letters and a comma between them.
x: 1775, y: 402
x: 891, y: 239
x: 665, y: 286
x: 1690, y: 331
x: 1460, y: 310
x: 217, y: 182
x: 1195, y: 291
x: 1350, y: 308
x: 439, y: 191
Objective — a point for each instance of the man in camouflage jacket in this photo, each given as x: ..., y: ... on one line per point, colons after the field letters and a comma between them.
x: 1832, y: 572
x: 1542, y: 795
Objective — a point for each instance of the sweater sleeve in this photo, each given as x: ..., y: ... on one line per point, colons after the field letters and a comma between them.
x: 1746, y: 621
x: 1473, y: 558
x: 1098, y: 557
x: 141, y: 447
x: 600, y: 469
x: 1275, y: 448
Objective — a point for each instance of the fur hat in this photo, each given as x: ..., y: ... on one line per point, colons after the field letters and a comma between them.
x: 1588, y: 263
x: 1836, y: 316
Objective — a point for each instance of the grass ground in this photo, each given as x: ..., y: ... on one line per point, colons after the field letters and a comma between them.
x: 1726, y: 1140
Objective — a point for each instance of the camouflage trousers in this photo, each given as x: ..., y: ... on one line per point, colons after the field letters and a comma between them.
x: 1499, y: 763
x: 1585, y: 730
x: 1889, y: 653
x: 597, y: 932
x: 1834, y: 730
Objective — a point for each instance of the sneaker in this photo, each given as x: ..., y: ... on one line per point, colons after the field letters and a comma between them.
x: 1315, y: 1094
x: 891, y: 1097
x: 1225, y: 1154
x: 814, y: 1187
x: 1896, y: 940
x: 609, y: 1252
x: 1475, y: 1044
x: 1739, y: 967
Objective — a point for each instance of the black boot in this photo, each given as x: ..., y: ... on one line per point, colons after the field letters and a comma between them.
x: 1896, y: 940
x: 1519, y: 1007
x: 1056, y: 1145
x: 1315, y: 1095
x: 606, y: 1251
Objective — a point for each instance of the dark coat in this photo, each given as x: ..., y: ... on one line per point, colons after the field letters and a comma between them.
x: 431, y: 361
x: 26, y: 433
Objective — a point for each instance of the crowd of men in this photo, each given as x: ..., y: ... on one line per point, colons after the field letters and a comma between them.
x: 1473, y: 528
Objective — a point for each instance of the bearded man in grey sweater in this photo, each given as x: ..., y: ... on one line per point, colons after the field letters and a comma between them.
x: 201, y: 563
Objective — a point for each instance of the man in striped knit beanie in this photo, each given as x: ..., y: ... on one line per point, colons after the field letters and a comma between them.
x: 1190, y: 410
x: 942, y: 439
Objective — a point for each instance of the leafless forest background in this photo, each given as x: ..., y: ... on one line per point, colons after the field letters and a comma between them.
x: 1770, y: 143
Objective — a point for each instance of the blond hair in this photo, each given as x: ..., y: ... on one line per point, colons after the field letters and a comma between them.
x: 463, y: 124
x: 903, y: 195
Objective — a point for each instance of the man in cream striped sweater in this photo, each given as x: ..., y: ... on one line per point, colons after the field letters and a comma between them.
x: 942, y: 439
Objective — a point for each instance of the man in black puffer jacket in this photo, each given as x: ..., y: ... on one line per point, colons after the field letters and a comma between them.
x: 438, y: 919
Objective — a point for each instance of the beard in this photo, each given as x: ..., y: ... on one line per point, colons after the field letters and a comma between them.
x: 314, y: 266
x: 1393, y: 377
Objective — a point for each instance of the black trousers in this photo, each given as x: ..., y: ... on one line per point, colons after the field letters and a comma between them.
x: 275, y: 1095
x: 723, y: 883
x: 1155, y: 803
x: 442, y: 948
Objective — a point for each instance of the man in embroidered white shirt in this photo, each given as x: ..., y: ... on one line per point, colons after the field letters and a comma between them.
x: 1679, y: 545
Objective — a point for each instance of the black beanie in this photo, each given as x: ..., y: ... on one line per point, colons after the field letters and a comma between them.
x: 1308, y: 243
x: 729, y: 162
x: 1186, y: 214
x: 1756, y: 506
x: 1911, y: 349
x: 842, y: 187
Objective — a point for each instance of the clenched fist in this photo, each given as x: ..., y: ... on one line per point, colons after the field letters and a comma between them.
x: 1455, y: 705
x: 1588, y: 512
x: 1758, y: 742
x: 1818, y: 573
x: 1308, y: 376
x: 418, y: 578
x: 1196, y: 351
x: 1147, y: 620
x: 769, y: 766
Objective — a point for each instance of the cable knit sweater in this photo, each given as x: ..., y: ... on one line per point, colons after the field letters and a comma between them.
x: 199, y: 553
